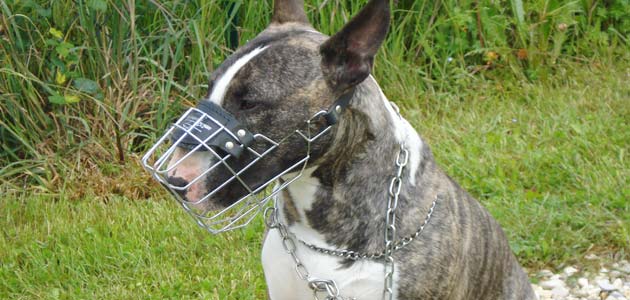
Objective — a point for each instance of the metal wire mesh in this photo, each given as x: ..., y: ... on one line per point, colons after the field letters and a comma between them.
x: 160, y: 161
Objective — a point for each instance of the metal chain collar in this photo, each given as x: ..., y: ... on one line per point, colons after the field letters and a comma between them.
x: 329, y: 286
x: 318, y: 286
x: 390, y: 222
x: 355, y: 255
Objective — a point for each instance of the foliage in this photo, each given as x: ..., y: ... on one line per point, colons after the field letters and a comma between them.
x: 89, y: 81
x: 87, y: 85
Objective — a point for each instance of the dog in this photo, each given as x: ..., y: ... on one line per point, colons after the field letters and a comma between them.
x: 371, y: 176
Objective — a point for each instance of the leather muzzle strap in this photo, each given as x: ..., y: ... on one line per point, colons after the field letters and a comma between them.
x: 335, y: 111
x: 233, y: 137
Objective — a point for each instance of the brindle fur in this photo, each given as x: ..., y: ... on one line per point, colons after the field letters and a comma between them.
x: 462, y: 254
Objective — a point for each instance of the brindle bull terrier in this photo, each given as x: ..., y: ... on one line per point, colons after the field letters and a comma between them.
x: 277, y: 81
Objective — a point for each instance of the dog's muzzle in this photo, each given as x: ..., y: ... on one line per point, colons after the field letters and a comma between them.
x: 210, y: 129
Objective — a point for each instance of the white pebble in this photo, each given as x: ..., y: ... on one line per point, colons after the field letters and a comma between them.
x: 618, y: 284
x: 612, y: 282
x: 559, y: 292
x: 569, y: 271
x: 544, y: 294
x: 616, y: 296
x: 581, y: 293
x: 551, y: 284
x: 545, y: 273
x: 555, y: 277
x: 605, y: 285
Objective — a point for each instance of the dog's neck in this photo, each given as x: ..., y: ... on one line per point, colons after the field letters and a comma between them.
x: 340, y: 202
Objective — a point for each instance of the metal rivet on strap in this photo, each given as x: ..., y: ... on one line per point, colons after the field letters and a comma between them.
x: 338, y: 108
x: 241, y: 133
x: 229, y: 145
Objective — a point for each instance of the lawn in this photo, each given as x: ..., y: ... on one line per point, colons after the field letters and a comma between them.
x: 548, y: 160
x: 121, y: 248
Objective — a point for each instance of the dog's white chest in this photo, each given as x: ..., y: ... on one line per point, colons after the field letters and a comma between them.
x: 363, y: 280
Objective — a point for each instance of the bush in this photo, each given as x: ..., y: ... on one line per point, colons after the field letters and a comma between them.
x: 87, y: 83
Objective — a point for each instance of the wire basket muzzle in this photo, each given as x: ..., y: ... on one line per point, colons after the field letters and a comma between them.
x: 229, y: 195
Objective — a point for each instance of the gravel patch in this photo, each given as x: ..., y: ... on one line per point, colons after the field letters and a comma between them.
x: 612, y: 282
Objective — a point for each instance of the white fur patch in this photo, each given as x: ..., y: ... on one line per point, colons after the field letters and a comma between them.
x: 405, y: 134
x: 363, y: 280
x: 303, y: 191
x: 222, y: 84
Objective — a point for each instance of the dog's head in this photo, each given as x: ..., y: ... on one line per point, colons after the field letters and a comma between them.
x: 272, y: 86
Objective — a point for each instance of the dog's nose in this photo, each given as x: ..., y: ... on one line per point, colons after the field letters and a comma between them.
x: 177, y: 182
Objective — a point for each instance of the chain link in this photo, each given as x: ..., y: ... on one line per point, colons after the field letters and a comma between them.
x: 329, y: 287
x: 390, y: 223
x: 355, y: 255
x: 318, y: 286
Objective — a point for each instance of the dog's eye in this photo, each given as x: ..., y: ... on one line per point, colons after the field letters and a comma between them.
x: 247, y: 105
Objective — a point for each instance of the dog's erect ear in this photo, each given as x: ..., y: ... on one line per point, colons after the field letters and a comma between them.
x: 285, y: 11
x: 347, y: 56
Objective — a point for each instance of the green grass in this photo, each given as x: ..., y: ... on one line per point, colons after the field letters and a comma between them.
x: 51, y: 248
x: 548, y: 160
